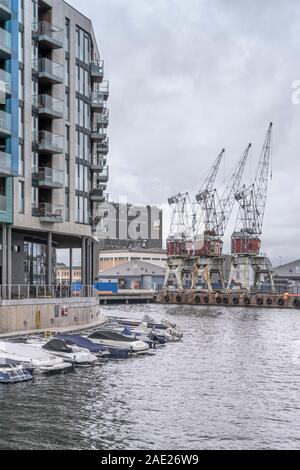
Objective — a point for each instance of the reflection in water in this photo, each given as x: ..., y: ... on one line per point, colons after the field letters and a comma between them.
x: 232, y: 383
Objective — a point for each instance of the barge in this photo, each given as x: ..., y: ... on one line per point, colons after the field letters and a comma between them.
x: 229, y: 299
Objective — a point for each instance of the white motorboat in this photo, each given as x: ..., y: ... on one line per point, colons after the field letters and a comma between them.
x: 32, y: 358
x: 116, y: 339
x: 70, y: 354
x: 11, y: 373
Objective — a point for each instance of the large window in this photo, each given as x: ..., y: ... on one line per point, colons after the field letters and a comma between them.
x: 83, y: 49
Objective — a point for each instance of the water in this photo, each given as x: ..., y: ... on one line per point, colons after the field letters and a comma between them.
x: 232, y: 384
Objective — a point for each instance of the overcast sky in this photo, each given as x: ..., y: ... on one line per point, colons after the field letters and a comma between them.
x: 190, y: 77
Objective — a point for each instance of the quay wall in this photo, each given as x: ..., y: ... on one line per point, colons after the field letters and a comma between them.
x: 42, y: 314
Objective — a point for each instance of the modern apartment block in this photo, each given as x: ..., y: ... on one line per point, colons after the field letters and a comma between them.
x: 53, y: 138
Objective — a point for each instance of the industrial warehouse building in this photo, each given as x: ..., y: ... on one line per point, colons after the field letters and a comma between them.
x: 53, y: 138
x: 288, y: 273
x: 135, y: 275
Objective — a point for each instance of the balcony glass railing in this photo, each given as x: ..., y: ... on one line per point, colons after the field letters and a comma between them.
x: 98, y: 131
x: 50, y: 102
x: 49, y: 139
x: 97, y: 98
x: 5, y: 39
x: 102, y: 118
x: 5, y: 122
x: 98, y: 161
x: 5, y: 163
x: 50, y: 175
x: 97, y: 67
x: 3, y: 203
x: 5, y: 82
x: 51, y: 68
x: 53, y: 32
x: 49, y: 212
x: 6, y: 4
x: 102, y: 88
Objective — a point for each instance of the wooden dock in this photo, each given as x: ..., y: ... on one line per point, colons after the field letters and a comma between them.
x: 128, y: 297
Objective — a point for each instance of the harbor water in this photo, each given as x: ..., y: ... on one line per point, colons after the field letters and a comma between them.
x: 233, y: 383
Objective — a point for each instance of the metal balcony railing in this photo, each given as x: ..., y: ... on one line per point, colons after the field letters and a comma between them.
x: 5, y: 122
x: 52, y: 104
x: 3, y: 203
x: 5, y: 82
x: 99, y: 132
x: 53, y: 70
x: 47, y: 212
x: 5, y: 163
x: 40, y: 291
x: 51, y: 177
x: 52, y: 142
x: 103, y: 147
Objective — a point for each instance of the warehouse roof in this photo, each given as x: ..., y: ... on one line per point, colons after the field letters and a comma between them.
x: 288, y: 270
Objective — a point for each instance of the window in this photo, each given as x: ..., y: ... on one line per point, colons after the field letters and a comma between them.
x: 21, y: 160
x: 21, y: 198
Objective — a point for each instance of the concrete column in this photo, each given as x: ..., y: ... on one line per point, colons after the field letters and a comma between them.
x: 88, y: 262
x: 83, y: 262
x: 9, y: 255
x: 93, y: 262
x: 49, y: 260
x: 71, y: 267
x: 4, y: 258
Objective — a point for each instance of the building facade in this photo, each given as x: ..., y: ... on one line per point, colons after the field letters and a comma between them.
x: 63, y: 275
x: 288, y: 274
x: 113, y: 258
x: 135, y: 275
x: 53, y: 137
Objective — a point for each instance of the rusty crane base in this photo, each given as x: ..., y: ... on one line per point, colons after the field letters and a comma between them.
x: 229, y: 299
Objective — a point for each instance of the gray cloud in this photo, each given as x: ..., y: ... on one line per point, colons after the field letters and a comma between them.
x: 188, y: 78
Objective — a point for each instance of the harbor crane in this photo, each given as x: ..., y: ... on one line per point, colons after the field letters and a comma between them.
x: 246, y: 239
x: 180, y: 234
x: 217, y: 212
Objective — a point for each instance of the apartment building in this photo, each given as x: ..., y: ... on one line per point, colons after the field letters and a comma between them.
x: 53, y: 138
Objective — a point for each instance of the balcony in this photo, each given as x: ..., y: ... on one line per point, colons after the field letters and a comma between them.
x: 50, y: 72
x: 5, y: 124
x: 97, y: 71
x: 97, y: 193
x: 48, y: 213
x: 5, y: 44
x: 5, y: 82
x: 50, y: 143
x: 5, y: 10
x: 50, y: 36
x: 98, y: 163
x: 3, y: 203
x: 50, y: 107
x: 98, y: 133
x: 5, y: 164
x: 103, y: 118
x: 46, y: 177
x: 97, y: 101
x: 103, y: 177
x: 103, y: 147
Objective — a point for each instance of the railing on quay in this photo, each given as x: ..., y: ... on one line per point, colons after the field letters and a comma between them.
x: 43, y: 292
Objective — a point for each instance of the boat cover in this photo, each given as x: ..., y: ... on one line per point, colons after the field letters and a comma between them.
x: 83, y: 343
x: 58, y: 345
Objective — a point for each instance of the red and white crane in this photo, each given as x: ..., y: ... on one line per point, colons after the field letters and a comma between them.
x: 246, y: 239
